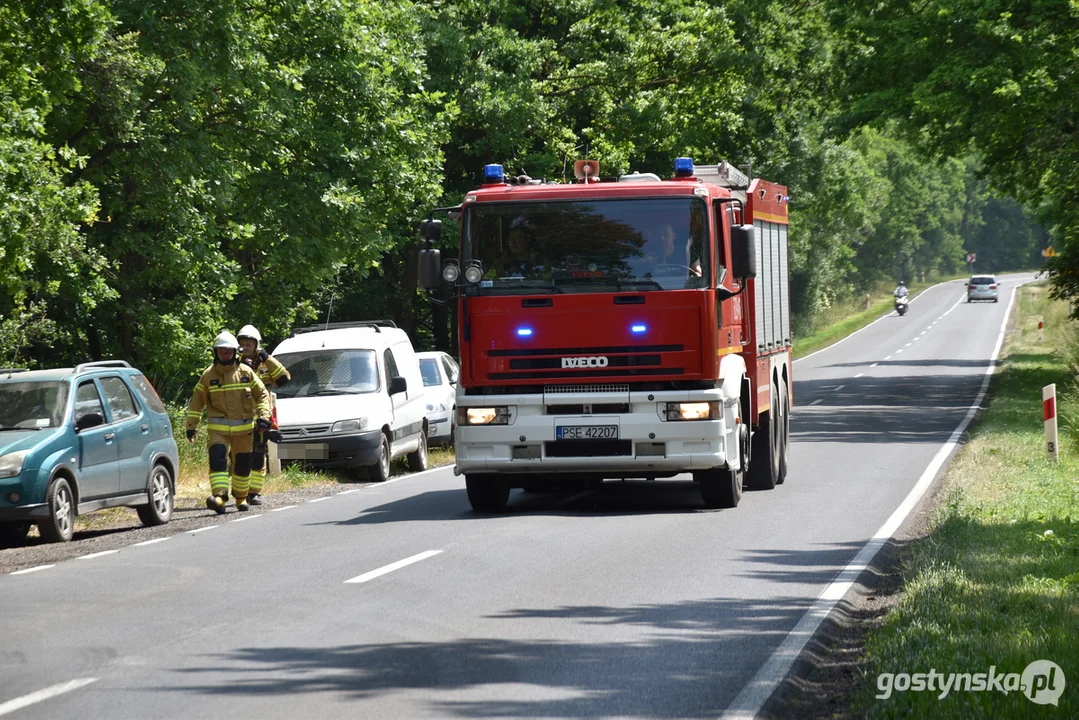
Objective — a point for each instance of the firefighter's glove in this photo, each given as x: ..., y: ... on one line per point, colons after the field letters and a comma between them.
x: 191, y: 436
x: 263, y: 354
x: 262, y: 426
x: 273, y: 435
x: 249, y: 363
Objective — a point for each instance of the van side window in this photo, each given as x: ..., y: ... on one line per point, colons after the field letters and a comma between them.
x: 391, y: 366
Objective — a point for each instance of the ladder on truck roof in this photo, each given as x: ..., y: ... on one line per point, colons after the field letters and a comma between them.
x: 724, y: 175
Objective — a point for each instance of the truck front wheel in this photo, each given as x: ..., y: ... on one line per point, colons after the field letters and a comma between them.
x: 487, y: 493
x: 720, y: 488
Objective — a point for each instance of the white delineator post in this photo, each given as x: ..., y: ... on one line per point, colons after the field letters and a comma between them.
x: 1049, y: 412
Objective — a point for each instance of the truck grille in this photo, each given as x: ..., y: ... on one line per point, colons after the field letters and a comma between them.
x: 597, y: 388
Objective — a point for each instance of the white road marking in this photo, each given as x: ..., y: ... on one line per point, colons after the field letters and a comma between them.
x: 874, y: 365
x: 320, y: 499
x: 27, y: 571
x: 924, y: 332
x: 248, y: 517
x: 287, y: 507
x: 44, y: 694
x: 97, y: 554
x: 917, y: 339
x: 889, y: 357
x: 150, y: 542
x: 838, y: 388
x: 757, y: 691
x: 907, y: 345
x: 348, y: 492
x: 393, y: 566
x: 203, y: 529
x: 818, y: 400
x: 899, y: 351
x: 860, y: 374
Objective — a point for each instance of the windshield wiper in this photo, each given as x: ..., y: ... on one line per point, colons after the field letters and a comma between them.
x: 527, y: 286
x: 338, y: 391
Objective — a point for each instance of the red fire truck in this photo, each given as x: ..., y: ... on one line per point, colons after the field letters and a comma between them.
x: 626, y: 327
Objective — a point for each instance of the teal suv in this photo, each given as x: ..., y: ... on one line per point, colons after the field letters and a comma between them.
x: 77, y: 440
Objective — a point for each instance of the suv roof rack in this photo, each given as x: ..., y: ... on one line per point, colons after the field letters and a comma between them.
x: 9, y: 371
x: 377, y: 325
x: 102, y: 364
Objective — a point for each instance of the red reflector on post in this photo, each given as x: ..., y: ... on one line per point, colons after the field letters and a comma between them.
x: 1049, y: 408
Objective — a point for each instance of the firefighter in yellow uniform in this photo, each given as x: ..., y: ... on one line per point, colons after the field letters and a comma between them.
x: 273, y: 375
x: 235, y: 403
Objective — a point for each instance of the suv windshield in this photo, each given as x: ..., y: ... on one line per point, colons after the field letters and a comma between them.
x: 329, y: 372
x: 590, y: 246
x: 32, y: 405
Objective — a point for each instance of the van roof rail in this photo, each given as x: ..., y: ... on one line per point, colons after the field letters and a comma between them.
x: 9, y: 371
x: 377, y: 325
x: 102, y: 364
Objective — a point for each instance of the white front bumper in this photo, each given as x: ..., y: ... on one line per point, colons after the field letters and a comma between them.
x: 649, y: 443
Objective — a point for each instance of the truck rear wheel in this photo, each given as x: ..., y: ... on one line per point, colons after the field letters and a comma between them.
x: 767, y: 450
x: 785, y: 434
x: 487, y: 493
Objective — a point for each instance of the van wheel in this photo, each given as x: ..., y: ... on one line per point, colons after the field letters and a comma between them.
x: 159, y: 510
x: 60, y: 525
x: 417, y: 461
x: 380, y: 471
x: 13, y: 534
x: 487, y: 493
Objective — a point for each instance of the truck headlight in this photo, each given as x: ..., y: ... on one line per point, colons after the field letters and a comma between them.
x: 693, y: 411
x: 483, y: 416
x: 11, y: 464
x: 349, y: 425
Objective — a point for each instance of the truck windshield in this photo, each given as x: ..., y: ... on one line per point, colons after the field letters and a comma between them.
x: 633, y: 244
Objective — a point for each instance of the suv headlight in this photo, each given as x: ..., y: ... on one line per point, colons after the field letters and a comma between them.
x: 693, y: 411
x: 11, y: 464
x: 349, y: 425
x: 483, y: 416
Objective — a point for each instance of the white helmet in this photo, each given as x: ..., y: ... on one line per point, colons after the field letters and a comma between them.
x: 226, y: 340
x: 250, y: 331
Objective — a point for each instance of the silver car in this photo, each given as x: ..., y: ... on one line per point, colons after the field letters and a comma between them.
x: 982, y: 287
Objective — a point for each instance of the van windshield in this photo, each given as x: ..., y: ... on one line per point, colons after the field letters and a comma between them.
x: 329, y: 372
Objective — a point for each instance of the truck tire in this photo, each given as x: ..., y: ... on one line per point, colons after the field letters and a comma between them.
x: 720, y: 488
x: 764, y: 467
x: 785, y: 434
x: 487, y: 493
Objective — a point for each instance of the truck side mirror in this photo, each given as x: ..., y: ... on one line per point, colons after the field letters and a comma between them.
x: 431, y: 230
x: 430, y: 269
x: 743, y: 251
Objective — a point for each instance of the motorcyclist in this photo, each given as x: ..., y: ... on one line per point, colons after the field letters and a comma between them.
x: 901, y: 291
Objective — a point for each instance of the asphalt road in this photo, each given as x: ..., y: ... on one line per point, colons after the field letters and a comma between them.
x: 631, y: 601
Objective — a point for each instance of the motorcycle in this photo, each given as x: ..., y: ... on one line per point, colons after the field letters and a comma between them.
x: 901, y: 306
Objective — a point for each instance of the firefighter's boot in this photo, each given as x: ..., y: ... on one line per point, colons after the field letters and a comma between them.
x: 254, y: 499
x: 216, y: 503
x: 241, y: 504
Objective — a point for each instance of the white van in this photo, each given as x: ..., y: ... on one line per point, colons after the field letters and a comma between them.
x: 356, y: 398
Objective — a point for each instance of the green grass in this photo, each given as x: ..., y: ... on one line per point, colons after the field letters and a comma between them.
x: 851, y: 315
x: 996, y: 581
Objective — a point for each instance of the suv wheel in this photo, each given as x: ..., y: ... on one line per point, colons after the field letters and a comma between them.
x: 60, y: 525
x: 380, y: 471
x: 159, y: 510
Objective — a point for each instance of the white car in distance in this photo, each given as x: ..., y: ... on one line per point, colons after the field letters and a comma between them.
x: 439, y: 373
